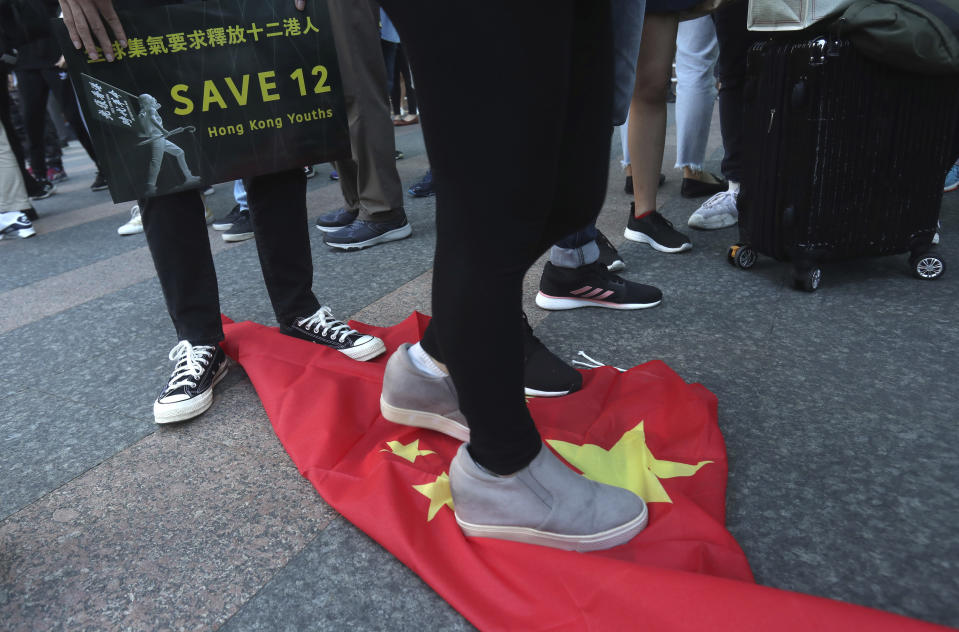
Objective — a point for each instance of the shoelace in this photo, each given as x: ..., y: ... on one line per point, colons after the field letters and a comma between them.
x: 190, y: 363
x: 717, y: 199
x: 593, y: 364
x: 323, y: 319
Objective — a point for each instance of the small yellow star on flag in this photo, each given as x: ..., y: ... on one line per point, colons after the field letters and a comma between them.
x: 439, y: 494
x: 409, y: 451
x: 628, y: 464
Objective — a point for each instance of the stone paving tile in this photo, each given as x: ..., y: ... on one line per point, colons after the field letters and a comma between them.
x: 171, y: 533
x: 48, y: 441
x: 345, y: 581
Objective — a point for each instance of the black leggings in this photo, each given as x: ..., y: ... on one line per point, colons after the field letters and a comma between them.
x: 401, y: 67
x: 35, y: 85
x: 547, y: 74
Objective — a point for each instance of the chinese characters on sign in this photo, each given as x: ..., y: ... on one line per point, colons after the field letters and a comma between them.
x: 169, y: 43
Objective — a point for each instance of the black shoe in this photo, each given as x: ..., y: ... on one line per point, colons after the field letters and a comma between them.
x: 322, y: 328
x: 99, y: 182
x: 228, y: 220
x: 31, y: 213
x: 242, y: 228
x: 363, y: 234
x: 189, y: 390
x: 309, y: 171
x: 592, y: 286
x: 608, y: 255
x: 423, y: 188
x: 657, y: 231
x: 45, y: 190
x: 335, y: 220
x: 692, y: 188
x: 544, y: 374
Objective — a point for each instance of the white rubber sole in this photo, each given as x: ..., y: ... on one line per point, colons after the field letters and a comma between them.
x: 423, y: 419
x: 365, y: 351
x: 643, y: 238
x: 22, y: 233
x: 391, y: 235
x: 582, y: 543
x: 330, y: 229
x: 560, y: 303
x: 231, y: 237
x: 711, y: 222
x: 188, y: 409
x: 532, y: 392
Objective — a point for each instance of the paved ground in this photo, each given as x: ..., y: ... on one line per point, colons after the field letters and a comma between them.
x: 838, y: 408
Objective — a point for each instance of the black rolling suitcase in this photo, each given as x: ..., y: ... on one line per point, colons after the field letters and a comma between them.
x: 844, y: 158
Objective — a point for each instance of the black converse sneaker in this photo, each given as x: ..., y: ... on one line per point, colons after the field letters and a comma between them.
x: 322, y: 328
x: 226, y: 223
x: 592, y: 286
x: 608, y: 255
x: 189, y: 391
x: 657, y: 231
x: 545, y: 375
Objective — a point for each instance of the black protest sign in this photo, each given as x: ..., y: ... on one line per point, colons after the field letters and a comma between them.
x: 208, y: 92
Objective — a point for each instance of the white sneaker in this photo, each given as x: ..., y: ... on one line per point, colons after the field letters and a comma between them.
x: 718, y: 211
x: 16, y: 224
x: 207, y: 213
x: 135, y: 225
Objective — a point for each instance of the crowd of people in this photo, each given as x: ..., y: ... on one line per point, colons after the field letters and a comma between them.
x: 567, y: 76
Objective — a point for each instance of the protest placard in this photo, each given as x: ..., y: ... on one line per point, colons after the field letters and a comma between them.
x: 208, y: 92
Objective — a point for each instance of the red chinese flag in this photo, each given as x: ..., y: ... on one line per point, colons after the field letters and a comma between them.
x: 645, y: 429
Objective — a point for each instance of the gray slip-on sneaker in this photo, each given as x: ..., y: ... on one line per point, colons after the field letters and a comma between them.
x: 545, y: 503
x: 413, y: 398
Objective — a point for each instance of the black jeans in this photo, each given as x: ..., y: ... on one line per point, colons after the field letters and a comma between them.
x: 734, y: 43
x: 32, y: 186
x: 180, y: 245
x: 35, y: 86
x: 549, y: 79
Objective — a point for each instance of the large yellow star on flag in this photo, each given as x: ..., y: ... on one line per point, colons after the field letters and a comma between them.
x: 409, y: 451
x: 628, y: 464
x: 439, y: 494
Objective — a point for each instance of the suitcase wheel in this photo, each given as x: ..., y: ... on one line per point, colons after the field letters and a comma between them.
x: 741, y: 256
x: 807, y: 279
x: 927, y: 265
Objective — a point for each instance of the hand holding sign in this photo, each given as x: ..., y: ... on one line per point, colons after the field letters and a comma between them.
x: 84, y: 21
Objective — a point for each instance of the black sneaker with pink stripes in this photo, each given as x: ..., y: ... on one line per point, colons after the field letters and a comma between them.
x: 592, y: 286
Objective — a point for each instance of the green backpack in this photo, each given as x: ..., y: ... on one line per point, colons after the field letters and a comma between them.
x: 919, y: 36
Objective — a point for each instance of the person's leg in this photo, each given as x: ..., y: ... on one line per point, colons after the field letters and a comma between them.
x: 647, y: 136
x: 176, y: 234
x: 33, y: 94
x: 477, y: 285
x: 13, y: 193
x: 376, y: 181
x: 720, y: 211
x: 647, y: 113
x: 277, y: 205
x: 389, y: 60
x: 696, y: 53
x: 63, y: 93
x: 403, y: 66
x: 34, y: 188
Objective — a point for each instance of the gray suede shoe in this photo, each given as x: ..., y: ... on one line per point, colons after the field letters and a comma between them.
x: 545, y: 503
x: 413, y: 398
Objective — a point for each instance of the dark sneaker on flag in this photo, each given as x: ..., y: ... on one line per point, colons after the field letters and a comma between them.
x: 241, y: 229
x: 592, y: 286
x: 411, y: 397
x: 322, y: 328
x: 544, y: 374
x: 99, y: 182
x: 189, y: 391
x: 545, y: 503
